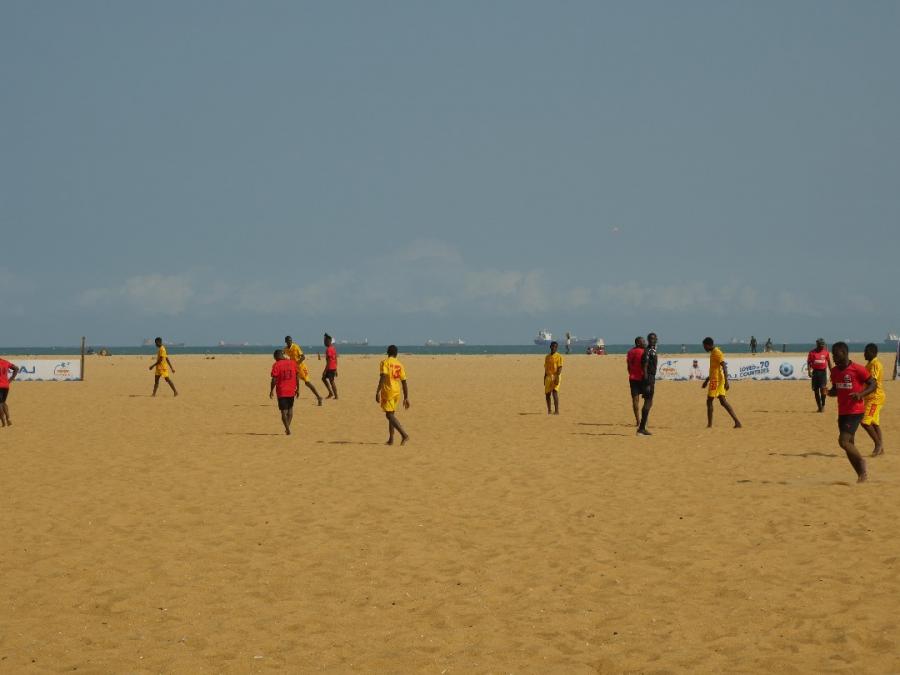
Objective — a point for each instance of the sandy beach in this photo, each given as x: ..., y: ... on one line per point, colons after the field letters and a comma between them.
x: 189, y: 535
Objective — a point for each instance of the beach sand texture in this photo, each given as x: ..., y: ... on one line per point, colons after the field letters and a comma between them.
x: 190, y: 535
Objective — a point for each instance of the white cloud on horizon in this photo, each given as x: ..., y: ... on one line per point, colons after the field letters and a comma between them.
x: 150, y: 294
x: 433, y: 277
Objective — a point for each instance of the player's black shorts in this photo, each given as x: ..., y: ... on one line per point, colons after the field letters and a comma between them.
x: 637, y: 387
x: 330, y: 374
x: 3, y: 394
x: 649, y: 390
x: 849, y: 423
x: 819, y: 379
x: 285, y: 402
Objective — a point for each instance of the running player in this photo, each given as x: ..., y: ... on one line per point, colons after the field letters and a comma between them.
x: 818, y: 364
x: 871, y: 420
x: 391, y: 380
x: 717, y: 382
x: 648, y: 370
x: 635, y: 376
x: 163, y: 367
x: 330, y: 371
x: 292, y: 351
x: 851, y: 383
x: 553, y: 364
x: 5, y: 379
x: 286, y: 384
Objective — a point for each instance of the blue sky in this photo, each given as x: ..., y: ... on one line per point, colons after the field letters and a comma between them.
x: 410, y: 170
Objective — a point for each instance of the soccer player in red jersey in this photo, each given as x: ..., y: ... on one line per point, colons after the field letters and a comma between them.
x: 5, y: 379
x: 851, y: 383
x: 818, y: 363
x: 330, y: 371
x: 635, y: 376
x: 286, y: 384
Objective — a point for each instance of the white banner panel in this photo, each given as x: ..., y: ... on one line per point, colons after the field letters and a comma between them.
x: 739, y: 368
x: 45, y: 369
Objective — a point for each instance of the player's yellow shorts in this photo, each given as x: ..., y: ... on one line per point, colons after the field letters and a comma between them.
x: 390, y: 403
x: 303, y: 372
x: 549, y: 384
x: 716, y: 388
x: 872, y: 414
x: 162, y: 372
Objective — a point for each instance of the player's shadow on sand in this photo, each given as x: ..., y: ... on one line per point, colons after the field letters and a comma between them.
x: 531, y: 413
x: 785, y: 411
x: 601, y: 433
x: 745, y: 481
x: 253, y: 433
x: 610, y: 424
x: 803, y: 454
x: 351, y: 442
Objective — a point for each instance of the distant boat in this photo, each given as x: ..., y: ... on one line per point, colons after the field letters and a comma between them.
x: 222, y: 343
x: 544, y: 337
x: 892, y: 339
x: 353, y: 343
x: 586, y: 342
x: 458, y: 342
x: 150, y: 343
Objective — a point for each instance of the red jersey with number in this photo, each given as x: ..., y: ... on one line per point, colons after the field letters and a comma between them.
x: 331, y: 357
x: 847, y: 381
x: 817, y: 359
x: 633, y: 359
x: 285, y: 374
x: 4, y: 374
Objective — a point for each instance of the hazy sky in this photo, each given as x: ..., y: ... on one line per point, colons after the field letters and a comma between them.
x: 405, y: 170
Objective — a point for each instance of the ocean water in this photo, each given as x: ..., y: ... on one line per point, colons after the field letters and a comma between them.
x: 736, y: 349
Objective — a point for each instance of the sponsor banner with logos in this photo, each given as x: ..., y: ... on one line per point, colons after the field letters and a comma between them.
x: 48, y: 370
x: 739, y: 368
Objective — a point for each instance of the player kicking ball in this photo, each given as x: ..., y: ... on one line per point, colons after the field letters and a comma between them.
x: 390, y: 383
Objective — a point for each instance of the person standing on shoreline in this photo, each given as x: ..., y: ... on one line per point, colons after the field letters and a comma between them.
x: 717, y: 382
x: 553, y: 364
x: 648, y: 370
x: 163, y: 367
x: 635, y: 376
x: 330, y: 372
x: 5, y: 379
x: 850, y: 383
x: 391, y: 380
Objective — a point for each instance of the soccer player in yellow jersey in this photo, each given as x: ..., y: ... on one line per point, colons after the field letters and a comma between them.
x: 553, y: 364
x: 292, y: 351
x: 717, y: 382
x: 390, y: 382
x: 871, y: 420
x: 163, y: 367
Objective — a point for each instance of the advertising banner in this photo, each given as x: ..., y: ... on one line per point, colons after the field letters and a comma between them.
x: 47, y: 369
x: 739, y: 368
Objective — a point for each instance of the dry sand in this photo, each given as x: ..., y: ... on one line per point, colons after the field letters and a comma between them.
x: 190, y: 535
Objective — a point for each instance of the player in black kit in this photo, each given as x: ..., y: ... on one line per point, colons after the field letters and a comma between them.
x: 648, y: 362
